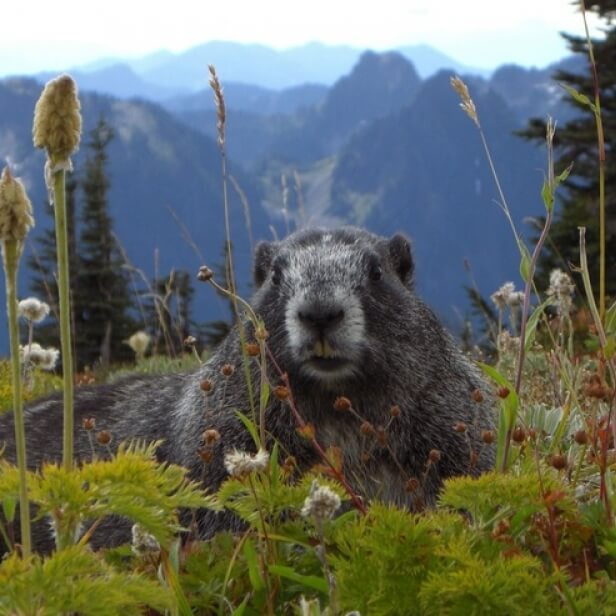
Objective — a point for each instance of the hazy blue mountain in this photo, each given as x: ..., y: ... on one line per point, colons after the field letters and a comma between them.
x: 269, y: 68
x: 252, y: 98
x: 423, y: 170
x: 428, y: 60
x: 120, y: 81
x: 156, y: 163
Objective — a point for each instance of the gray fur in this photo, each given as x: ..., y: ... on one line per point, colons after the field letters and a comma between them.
x: 350, y: 289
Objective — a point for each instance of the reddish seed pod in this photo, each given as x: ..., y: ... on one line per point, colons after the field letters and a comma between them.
x: 476, y: 395
x: 281, y: 392
x: 434, y: 455
x: 206, y: 385
x: 307, y: 431
x: 88, y: 423
x: 460, y: 427
x: 341, y: 403
x: 381, y: 436
x: 227, y: 370
x: 211, y: 436
x: 366, y: 428
x: 487, y: 436
x: 103, y: 437
x: 558, y: 461
x: 412, y: 484
x: 519, y: 435
x: 532, y: 433
x: 503, y: 392
x: 394, y: 411
x: 473, y: 459
x: 290, y: 462
x: 252, y: 349
x: 581, y: 437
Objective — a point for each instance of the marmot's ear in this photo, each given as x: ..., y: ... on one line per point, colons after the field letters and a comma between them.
x: 401, y: 258
x: 264, y: 255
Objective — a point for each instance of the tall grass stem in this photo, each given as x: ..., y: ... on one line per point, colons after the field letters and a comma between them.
x: 11, y: 262
x: 65, y: 315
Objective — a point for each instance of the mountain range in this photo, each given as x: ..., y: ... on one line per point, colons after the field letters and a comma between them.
x: 385, y: 145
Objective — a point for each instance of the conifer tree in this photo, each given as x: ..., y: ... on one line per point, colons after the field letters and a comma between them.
x: 576, y: 141
x: 102, y: 302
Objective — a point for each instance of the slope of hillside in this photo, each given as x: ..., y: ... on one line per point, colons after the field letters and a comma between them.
x: 156, y: 163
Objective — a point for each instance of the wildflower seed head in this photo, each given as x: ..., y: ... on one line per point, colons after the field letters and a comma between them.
x: 281, y: 392
x: 515, y: 299
x: 252, y: 349
x: 227, y: 370
x: 190, y: 342
x: 394, y: 411
x: 139, y: 343
x: 434, y: 455
x: 307, y: 431
x: 205, y: 273
x: 211, y: 436
x: 342, y: 404
x: 142, y: 542
x: 321, y: 503
x: 57, y: 120
x: 460, y: 427
x: 488, y: 436
x: 239, y: 463
x: 501, y: 296
x: 581, y: 437
x: 219, y: 100
x: 35, y: 355
x: 206, y: 385
x: 561, y: 291
x: 103, y: 437
x: 477, y: 395
x: 381, y: 436
x: 518, y: 435
x: 503, y: 392
x: 32, y: 309
x: 15, y: 209
x: 88, y: 423
x: 366, y: 428
x: 412, y: 484
x: 467, y: 103
x: 558, y: 461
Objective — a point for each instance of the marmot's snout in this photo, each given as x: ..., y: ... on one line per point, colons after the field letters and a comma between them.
x: 320, y: 318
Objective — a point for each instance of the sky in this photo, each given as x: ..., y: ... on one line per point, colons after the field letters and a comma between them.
x: 41, y: 35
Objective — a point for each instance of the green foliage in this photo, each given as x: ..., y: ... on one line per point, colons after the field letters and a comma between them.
x: 132, y: 485
x: 75, y: 580
x: 469, y: 583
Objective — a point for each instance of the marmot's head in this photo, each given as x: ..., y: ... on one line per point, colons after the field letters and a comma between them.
x: 327, y: 296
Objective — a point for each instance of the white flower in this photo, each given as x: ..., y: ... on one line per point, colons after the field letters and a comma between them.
x: 139, y: 343
x: 515, y: 299
x: 32, y: 309
x: 561, y: 290
x: 240, y: 464
x: 501, y: 296
x: 322, y: 502
x: 35, y: 355
x: 143, y: 542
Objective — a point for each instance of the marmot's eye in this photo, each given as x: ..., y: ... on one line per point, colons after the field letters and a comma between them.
x: 376, y: 272
x: 276, y: 275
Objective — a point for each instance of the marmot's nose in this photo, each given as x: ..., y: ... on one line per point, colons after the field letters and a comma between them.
x: 320, y: 318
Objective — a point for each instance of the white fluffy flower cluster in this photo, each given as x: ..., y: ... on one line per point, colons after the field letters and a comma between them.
x: 561, y: 291
x: 32, y: 309
x: 139, y: 343
x: 35, y: 355
x: 143, y: 542
x: 322, y: 502
x: 240, y: 464
x: 507, y: 296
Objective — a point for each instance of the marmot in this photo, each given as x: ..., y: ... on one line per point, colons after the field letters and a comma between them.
x: 343, y: 322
